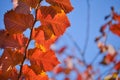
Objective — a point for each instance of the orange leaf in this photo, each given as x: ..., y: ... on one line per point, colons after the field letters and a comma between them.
x: 8, y: 60
x: 47, y: 60
x: 116, y: 17
x: 9, y: 40
x: 63, y: 4
x: 37, y: 69
x: 16, y: 22
x: 59, y: 23
x: 115, y: 28
x: 11, y: 74
x: 48, y: 31
x: 28, y: 74
x: 39, y: 36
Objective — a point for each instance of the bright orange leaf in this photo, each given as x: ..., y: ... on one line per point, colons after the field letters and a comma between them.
x: 116, y: 17
x: 16, y: 22
x: 47, y: 60
x: 29, y: 74
x: 40, y: 39
x: 115, y: 28
x: 59, y: 23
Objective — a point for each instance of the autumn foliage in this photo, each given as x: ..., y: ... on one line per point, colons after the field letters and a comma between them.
x: 72, y: 64
x: 41, y: 59
x: 53, y: 21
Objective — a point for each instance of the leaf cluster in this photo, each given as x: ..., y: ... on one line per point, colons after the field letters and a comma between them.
x: 53, y: 21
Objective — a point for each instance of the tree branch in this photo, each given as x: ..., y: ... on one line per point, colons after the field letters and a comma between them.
x: 26, y: 48
x: 87, y: 31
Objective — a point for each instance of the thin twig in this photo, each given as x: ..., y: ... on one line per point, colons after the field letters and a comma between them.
x: 95, y: 57
x: 87, y: 31
x: 77, y: 46
x: 74, y: 42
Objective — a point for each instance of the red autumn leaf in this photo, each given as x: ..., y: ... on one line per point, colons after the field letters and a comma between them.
x: 47, y: 60
x: 58, y: 70
x: 115, y: 28
x: 62, y: 49
x: 63, y: 4
x: 39, y: 37
x: 8, y: 60
x: 102, y: 29
x: 59, y: 23
x: 116, y: 17
x: 86, y: 75
x: 29, y: 74
x: 16, y: 22
x: 117, y: 66
x: 32, y: 3
x: 108, y: 59
x: 22, y: 8
x: 36, y: 68
x: 11, y: 40
x: 79, y: 77
x: 11, y: 74
x: 66, y: 78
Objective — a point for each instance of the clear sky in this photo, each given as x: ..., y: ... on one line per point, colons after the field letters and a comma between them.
x: 78, y: 18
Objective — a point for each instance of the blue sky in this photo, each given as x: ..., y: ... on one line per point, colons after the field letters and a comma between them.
x: 78, y: 18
